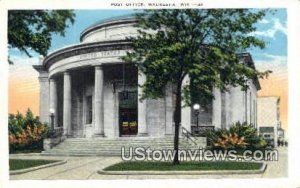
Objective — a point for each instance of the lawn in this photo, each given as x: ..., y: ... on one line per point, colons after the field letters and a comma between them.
x: 184, y: 166
x: 18, y: 164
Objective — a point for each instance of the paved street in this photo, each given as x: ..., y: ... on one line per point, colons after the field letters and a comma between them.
x: 81, y: 168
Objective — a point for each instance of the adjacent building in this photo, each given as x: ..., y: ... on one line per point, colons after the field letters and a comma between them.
x: 268, y: 118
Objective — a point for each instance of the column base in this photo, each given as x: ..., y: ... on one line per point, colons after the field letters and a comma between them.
x: 99, y: 135
x: 63, y: 137
x: 142, y: 134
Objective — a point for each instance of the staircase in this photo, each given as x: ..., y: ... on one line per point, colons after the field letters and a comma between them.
x: 112, y: 146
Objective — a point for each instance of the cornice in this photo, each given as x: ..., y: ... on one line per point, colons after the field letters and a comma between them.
x: 85, y: 48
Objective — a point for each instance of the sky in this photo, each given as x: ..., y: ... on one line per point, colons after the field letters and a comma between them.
x: 23, y: 79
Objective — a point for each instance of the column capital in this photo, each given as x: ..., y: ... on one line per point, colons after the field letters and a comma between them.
x: 43, y: 79
x: 98, y: 67
x: 67, y: 72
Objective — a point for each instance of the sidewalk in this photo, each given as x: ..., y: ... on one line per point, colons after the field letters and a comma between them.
x: 84, y: 168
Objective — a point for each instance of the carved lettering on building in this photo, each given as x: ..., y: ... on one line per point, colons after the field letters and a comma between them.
x: 111, y: 53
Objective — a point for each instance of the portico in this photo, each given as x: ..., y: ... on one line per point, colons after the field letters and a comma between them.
x: 93, y: 101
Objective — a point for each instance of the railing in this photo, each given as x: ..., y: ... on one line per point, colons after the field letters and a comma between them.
x: 201, y: 130
x: 55, y: 133
x: 189, y: 136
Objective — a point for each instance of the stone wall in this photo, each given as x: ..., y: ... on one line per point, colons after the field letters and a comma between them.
x: 156, y: 117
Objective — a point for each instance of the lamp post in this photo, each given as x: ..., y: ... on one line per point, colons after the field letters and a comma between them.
x: 196, y: 108
x: 52, y: 111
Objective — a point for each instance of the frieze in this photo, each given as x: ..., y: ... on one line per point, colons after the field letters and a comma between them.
x: 110, y: 53
x: 88, y: 51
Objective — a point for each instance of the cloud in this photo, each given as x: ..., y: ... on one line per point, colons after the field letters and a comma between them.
x: 276, y: 63
x: 24, y: 60
x: 263, y: 21
x: 270, y: 33
x: 22, y: 66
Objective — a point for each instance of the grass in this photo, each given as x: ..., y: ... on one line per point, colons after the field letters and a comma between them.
x: 185, y: 166
x: 18, y: 164
x: 26, y: 151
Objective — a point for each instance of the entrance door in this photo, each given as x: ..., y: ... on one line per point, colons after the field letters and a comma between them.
x: 128, y: 113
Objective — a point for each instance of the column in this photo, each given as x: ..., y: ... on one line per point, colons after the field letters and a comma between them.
x: 67, y: 104
x: 217, y: 108
x: 186, y: 111
x: 142, y: 107
x: 53, y: 101
x: 44, y: 99
x: 169, y: 110
x: 99, y: 116
x: 223, y: 110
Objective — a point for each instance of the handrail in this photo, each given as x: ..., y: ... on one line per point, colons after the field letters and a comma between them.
x: 200, y: 130
x: 188, y: 135
x: 55, y: 133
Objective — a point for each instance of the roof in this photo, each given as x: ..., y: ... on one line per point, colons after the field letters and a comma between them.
x: 107, y: 22
x: 249, y: 61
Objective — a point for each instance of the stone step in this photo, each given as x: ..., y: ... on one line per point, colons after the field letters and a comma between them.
x: 127, y: 141
x: 115, y: 150
x: 123, y: 144
x: 121, y: 141
x: 113, y: 146
x: 120, y: 146
x: 86, y: 153
x: 136, y: 139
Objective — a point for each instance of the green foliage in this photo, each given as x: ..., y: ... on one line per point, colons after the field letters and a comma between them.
x: 249, y: 132
x: 185, y: 166
x: 220, y: 139
x: 18, y: 164
x: 33, y: 29
x: 26, y: 132
x: 200, y: 43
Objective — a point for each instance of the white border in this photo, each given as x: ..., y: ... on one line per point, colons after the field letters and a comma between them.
x: 293, y: 110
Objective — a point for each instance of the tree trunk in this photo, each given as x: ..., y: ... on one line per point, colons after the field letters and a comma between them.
x: 177, y: 122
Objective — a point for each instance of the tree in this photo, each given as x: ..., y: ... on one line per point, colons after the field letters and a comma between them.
x: 33, y: 29
x: 201, y: 44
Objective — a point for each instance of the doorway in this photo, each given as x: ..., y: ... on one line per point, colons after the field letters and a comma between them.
x: 128, y: 113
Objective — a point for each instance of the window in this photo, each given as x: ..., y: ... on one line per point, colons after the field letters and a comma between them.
x: 89, y: 109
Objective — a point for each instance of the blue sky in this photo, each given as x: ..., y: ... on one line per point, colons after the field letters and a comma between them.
x: 272, y: 29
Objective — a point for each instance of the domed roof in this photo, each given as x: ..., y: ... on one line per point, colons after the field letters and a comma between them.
x: 106, y: 22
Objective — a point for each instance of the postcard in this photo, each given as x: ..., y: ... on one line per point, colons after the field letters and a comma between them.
x: 146, y: 92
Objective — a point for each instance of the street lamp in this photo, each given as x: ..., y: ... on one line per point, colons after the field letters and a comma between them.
x: 196, y: 108
x: 52, y: 111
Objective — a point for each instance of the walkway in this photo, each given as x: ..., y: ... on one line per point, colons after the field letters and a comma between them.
x: 83, y: 168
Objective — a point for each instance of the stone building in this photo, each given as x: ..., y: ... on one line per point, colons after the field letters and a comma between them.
x: 268, y: 118
x: 90, y: 92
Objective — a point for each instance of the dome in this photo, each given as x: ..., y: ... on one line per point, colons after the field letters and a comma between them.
x: 115, y: 28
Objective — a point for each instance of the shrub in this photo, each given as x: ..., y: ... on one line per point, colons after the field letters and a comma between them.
x: 230, y: 141
x: 239, y: 136
x: 26, y: 133
x: 249, y: 132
